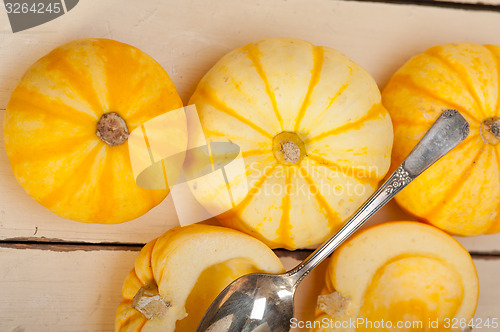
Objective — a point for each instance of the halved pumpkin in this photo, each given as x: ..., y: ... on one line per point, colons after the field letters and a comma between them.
x: 178, y: 275
x: 398, y: 272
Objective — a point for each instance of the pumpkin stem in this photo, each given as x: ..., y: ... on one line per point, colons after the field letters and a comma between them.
x: 149, y: 302
x: 333, y: 304
x: 490, y: 130
x: 288, y: 148
x: 112, y: 129
x: 291, y: 152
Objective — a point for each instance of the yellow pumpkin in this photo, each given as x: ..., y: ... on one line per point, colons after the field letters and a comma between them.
x: 314, y: 137
x: 460, y: 193
x: 178, y: 275
x: 398, y: 273
x: 67, y: 124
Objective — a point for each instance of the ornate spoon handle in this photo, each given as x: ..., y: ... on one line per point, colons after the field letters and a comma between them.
x: 447, y: 132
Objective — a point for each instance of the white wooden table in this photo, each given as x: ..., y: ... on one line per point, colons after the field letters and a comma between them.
x: 59, y: 275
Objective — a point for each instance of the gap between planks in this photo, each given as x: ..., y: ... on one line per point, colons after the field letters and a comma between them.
x: 464, y: 5
x: 64, y: 246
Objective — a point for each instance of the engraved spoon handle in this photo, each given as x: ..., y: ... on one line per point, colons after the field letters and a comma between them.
x: 447, y: 132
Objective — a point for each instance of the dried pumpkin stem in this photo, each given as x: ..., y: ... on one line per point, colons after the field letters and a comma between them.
x: 333, y: 304
x: 112, y: 129
x: 149, y: 302
x: 288, y: 148
x: 490, y: 130
x: 495, y: 128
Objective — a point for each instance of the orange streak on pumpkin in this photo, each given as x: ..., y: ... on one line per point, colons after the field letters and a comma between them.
x: 152, y: 108
x: 120, y: 88
x: 53, y: 150
x: 254, y: 190
x: 324, y: 207
x: 255, y: 152
x: 254, y: 54
x: 376, y: 111
x: 210, y: 98
x: 146, y: 140
x: 493, y: 50
x: 335, y: 96
x: 495, y: 226
x: 453, y: 189
x: 319, y: 56
x: 31, y: 101
x: 79, y: 79
x: 338, y: 93
x: 407, y: 122
x: 106, y: 185
x: 210, y: 132
x: 66, y: 189
x: 136, y: 89
x: 164, y: 168
x: 435, y: 52
x: 284, y: 227
x: 400, y: 80
x: 362, y: 175
x: 410, y: 122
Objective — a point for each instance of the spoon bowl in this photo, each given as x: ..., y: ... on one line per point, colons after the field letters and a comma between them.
x: 258, y: 302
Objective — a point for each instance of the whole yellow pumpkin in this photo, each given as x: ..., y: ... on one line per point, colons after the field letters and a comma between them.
x: 178, y: 275
x: 314, y: 137
x: 405, y: 273
x: 67, y: 124
x: 461, y: 192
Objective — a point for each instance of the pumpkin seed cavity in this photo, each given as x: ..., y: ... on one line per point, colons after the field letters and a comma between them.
x: 490, y: 130
x: 112, y: 129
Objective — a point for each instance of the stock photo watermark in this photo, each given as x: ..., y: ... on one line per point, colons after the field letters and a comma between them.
x: 26, y: 14
x: 453, y: 324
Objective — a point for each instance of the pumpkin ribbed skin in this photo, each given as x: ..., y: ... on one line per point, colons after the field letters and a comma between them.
x: 50, y: 128
x: 399, y: 272
x: 460, y: 193
x: 190, y: 266
x: 313, y: 96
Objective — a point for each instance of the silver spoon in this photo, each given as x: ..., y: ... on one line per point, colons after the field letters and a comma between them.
x: 264, y: 302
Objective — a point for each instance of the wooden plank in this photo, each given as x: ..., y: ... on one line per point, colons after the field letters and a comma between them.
x: 46, y: 290
x: 188, y: 38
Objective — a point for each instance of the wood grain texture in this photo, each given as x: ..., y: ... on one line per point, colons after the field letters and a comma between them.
x: 80, y: 290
